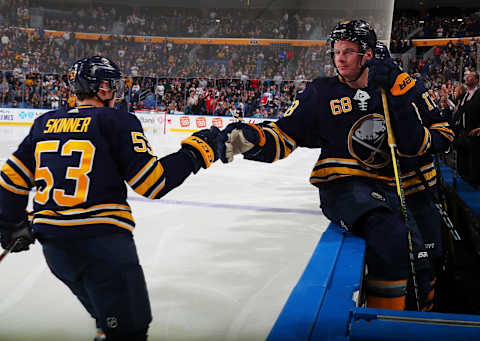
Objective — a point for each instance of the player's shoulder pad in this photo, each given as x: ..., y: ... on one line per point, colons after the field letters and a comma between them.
x: 325, y: 83
x: 316, y: 88
x: 321, y: 81
x: 113, y: 119
x: 47, y: 115
x: 113, y: 114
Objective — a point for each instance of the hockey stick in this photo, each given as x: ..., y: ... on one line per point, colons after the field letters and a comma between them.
x: 8, y: 249
x: 401, y: 195
x: 441, y: 202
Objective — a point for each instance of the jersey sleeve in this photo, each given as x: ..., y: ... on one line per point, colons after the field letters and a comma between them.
x: 299, y: 127
x: 441, y: 133
x: 147, y: 174
x: 16, y: 181
x: 412, y: 137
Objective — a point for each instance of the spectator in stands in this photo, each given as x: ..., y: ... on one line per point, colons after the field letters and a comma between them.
x: 191, y: 101
x: 458, y: 93
x: 468, y: 124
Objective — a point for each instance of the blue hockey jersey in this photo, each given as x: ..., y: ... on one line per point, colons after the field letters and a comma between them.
x: 349, y: 126
x: 79, y: 161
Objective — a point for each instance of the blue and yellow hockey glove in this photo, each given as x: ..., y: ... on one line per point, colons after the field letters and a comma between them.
x: 201, y: 147
x: 239, y: 138
x: 384, y: 73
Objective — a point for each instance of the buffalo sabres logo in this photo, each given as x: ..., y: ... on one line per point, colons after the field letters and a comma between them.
x: 362, y: 98
x: 367, y: 141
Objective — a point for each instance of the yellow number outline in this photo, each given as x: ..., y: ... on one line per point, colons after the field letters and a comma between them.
x: 292, y: 108
x: 430, y: 102
x: 79, y: 174
x: 43, y: 173
x: 341, y: 106
x: 139, y: 138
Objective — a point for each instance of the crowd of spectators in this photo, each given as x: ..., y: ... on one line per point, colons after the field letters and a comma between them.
x: 454, y: 26
x: 447, y: 63
x: 252, y: 80
x: 407, y: 26
x: 37, y: 52
x: 245, y: 21
x: 221, y: 97
x: 231, y: 97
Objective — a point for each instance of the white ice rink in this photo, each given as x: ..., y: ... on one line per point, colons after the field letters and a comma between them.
x: 221, y: 254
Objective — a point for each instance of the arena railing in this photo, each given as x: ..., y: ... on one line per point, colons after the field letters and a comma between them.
x: 232, y: 41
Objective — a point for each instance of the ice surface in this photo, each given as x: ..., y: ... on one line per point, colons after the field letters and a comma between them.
x: 221, y: 254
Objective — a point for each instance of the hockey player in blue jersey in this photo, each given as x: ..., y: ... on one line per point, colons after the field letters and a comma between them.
x: 78, y: 160
x: 344, y: 117
x: 419, y: 176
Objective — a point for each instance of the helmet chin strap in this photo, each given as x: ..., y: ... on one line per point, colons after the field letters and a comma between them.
x: 106, y: 102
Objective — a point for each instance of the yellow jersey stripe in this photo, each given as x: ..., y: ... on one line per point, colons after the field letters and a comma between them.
x: 157, y: 190
x: 48, y: 212
x: 285, y: 136
x: 150, y: 180
x: 420, y: 188
x: 94, y: 208
x: 277, y: 142
x: 339, y: 160
x: 286, y: 148
x: 422, y: 169
x: 14, y: 176
x: 324, y: 172
x: 427, y: 139
x: 426, y: 142
x: 282, y: 140
x: 447, y: 136
x: 142, y: 172
x: 121, y: 214
x: 12, y: 189
x: 417, y: 180
x: 80, y: 222
x: 439, y: 124
x: 22, y: 167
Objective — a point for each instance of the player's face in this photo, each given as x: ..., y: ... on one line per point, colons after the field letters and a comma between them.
x: 348, y: 58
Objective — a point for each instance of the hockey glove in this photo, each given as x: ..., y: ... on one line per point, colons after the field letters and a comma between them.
x: 9, y: 233
x: 239, y: 138
x: 384, y: 73
x: 201, y: 147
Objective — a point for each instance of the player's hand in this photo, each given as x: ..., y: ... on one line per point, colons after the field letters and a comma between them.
x: 202, y: 147
x: 19, y: 234
x: 239, y: 138
x: 384, y: 73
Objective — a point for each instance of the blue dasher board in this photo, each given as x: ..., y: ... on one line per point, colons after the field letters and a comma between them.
x: 322, y: 306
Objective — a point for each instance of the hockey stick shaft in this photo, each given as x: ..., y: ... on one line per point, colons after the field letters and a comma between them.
x: 8, y: 249
x: 442, y: 205
x: 401, y: 195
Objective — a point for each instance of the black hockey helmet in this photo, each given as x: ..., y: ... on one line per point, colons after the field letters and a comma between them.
x: 354, y: 30
x: 86, y: 75
x: 381, y: 51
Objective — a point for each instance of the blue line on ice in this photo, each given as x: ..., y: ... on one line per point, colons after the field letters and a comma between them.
x: 231, y: 206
